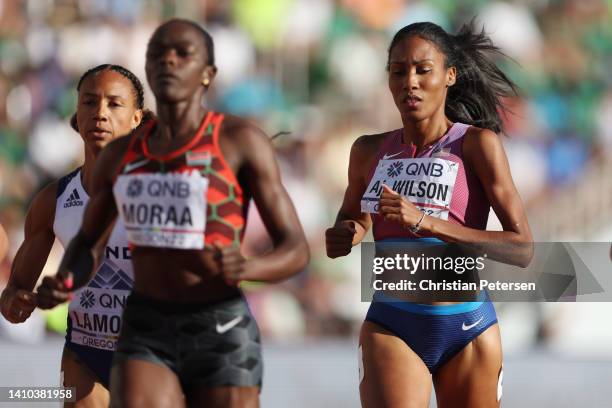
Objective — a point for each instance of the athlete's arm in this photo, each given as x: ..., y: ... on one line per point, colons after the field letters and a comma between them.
x: 79, y: 261
x: 260, y: 169
x: 100, y: 213
x: 484, y: 154
x: 351, y: 224
x: 17, y: 300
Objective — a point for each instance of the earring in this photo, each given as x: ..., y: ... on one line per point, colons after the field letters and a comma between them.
x: 206, y: 81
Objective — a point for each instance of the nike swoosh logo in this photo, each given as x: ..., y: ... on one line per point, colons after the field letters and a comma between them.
x: 222, y: 328
x: 388, y: 156
x: 464, y: 327
x: 131, y: 166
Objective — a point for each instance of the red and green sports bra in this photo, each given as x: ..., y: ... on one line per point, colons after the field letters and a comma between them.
x: 184, y: 199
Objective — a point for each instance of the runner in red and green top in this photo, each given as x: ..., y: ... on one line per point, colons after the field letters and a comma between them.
x: 181, y: 187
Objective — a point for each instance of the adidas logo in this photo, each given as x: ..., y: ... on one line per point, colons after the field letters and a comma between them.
x: 74, y: 200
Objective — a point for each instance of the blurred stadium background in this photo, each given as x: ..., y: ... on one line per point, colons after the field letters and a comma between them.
x: 315, y: 68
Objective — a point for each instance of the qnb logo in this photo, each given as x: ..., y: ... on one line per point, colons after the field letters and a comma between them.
x: 87, y: 299
x: 134, y: 188
x: 395, y: 169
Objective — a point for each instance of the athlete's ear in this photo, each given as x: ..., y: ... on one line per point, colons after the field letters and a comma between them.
x: 451, y: 76
x: 207, y: 76
x: 137, y: 118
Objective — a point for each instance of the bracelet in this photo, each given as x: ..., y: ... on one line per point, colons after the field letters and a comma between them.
x: 416, y: 227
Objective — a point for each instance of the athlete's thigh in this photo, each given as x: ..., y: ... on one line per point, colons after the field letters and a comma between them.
x: 90, y: 393
x: 224, y: 397
x: 139, y: 383
x: 391, y: 374
x: 471, y: 378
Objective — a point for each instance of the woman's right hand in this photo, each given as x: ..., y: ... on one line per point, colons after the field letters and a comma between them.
x: 54, y: 290
x: 339, y: 239
x: 17, y: 304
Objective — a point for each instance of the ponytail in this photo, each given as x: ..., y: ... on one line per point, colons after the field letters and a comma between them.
x: 477, y: 96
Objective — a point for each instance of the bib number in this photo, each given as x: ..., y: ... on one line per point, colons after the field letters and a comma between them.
x: 163, y: 210
x: 427, y: 182
x: 95, y: 313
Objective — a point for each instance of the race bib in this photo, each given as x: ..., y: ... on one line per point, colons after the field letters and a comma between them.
x: 96, y: 311
x: 163, y: 210
x: 427, y: 182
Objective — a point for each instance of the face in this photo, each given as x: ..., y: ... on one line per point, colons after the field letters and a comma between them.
x: 106, y: 108
x: 418, y: 78
x: 177, y: 62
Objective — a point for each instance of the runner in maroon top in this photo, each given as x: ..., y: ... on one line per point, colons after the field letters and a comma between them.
x: 429, y: 183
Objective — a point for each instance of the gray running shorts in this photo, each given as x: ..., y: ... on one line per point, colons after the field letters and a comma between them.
x: 205, y: 344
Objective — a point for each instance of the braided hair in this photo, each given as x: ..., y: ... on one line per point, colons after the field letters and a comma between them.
x: 138, y: 89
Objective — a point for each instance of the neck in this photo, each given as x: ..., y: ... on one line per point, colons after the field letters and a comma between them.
x: 179, y: 120
x: 427, y: 131
x: 87, y: 171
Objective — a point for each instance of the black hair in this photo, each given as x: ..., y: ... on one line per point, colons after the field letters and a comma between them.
x: 136, y: 84
x: 206, y: 37
x: 480, y: 84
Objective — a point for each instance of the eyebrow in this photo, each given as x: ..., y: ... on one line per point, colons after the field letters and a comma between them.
x: 414, y: 62
x: 170, y: 43
x: 108, y: 96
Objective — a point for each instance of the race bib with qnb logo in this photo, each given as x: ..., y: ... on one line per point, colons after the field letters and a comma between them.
x: 163, y: 210
x: 427, y: 182
x: 95, y: 313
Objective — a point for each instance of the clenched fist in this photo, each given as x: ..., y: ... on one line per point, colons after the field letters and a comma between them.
x: 17, y: 305
x: 397, y: 208
x: 54, y: 290
x: 231, y: 263
x: 339, y: 239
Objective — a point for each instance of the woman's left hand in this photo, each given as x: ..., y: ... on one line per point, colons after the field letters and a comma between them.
x: 231, y: 263
x: 397, y: 208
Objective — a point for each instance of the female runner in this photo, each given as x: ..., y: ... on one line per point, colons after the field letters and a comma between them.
x: 448, y: 92
x: 110, y: 104
x: 182, y: 186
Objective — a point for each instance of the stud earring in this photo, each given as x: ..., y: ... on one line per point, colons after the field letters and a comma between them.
x: 206, y: 81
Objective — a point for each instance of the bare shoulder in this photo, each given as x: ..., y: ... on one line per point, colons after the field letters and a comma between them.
x: 478, y: 139
x: 369, y: 144
x: 364, y: 149
x: 243, y: 131
x: 42, y: 208
x: 45, y: 198
x: 48, y: 194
